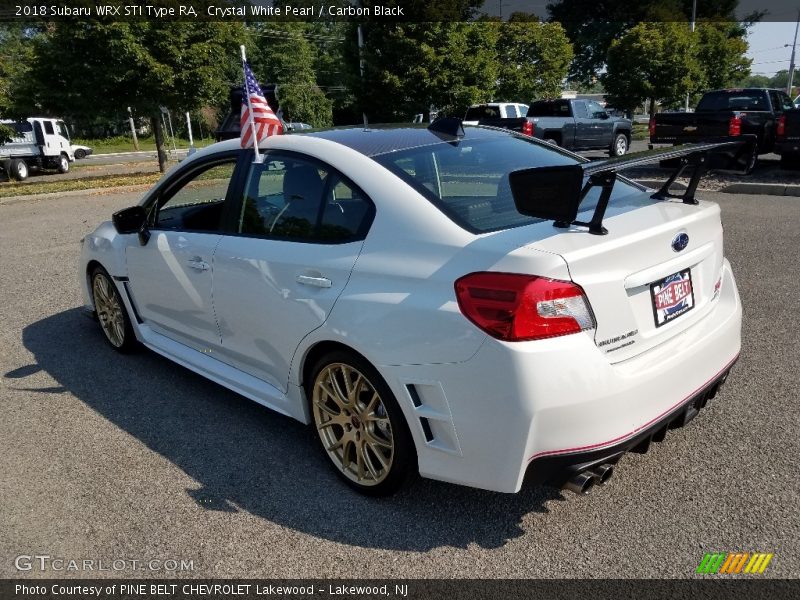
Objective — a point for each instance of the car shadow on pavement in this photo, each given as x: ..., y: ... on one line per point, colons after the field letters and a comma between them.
x: 248, y: 458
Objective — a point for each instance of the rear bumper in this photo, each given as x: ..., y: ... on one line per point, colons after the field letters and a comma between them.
x: 530, y: 408
x: 788, y: 147
x: 555, y: 469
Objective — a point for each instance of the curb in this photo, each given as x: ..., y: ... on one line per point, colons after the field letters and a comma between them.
x: 766, y: 189
x: 762, y: 189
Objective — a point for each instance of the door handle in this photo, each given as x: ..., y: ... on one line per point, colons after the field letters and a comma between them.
x: 198, y: 264
x: 322, y: 282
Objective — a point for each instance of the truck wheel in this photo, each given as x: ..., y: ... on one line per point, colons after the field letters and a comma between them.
x: 62, y: 163
x: 19, y: 169
x: 552, y: 141
x: 619, y: 146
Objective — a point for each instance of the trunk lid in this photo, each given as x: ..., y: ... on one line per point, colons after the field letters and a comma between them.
x: 618, y: 270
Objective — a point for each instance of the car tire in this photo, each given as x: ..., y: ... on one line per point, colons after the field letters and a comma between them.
x: 62, y: 164
x: 552, y: 141
x: 359, y: 424
x: 80, y: 153
x: 111, y: 313
x: 19, y: 169
x: 619, y: 146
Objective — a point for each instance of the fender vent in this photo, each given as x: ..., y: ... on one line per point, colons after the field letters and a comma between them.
x: 426, y: 428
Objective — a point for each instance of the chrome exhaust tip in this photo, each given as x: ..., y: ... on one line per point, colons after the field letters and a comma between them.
x: 601, y: 473
x: 580, y: 483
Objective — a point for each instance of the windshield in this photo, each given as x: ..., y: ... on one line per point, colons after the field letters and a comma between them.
x: 733, y: 100
x: 468, y: 180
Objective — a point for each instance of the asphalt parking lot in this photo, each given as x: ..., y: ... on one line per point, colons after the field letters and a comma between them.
x: 109, y: 457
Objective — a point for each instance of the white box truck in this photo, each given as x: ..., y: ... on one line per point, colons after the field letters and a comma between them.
x: 39, y: 143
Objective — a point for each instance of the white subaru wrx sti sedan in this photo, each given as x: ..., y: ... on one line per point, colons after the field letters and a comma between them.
x: 428, y: 299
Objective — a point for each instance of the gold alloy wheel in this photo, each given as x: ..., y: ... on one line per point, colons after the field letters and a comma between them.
x: 109, y: 310
x: 352, y: 423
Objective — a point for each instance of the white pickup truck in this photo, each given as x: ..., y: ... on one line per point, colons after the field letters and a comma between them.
x: 40, y: 143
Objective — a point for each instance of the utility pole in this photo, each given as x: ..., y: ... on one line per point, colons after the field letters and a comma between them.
x: 691, y: 28
x: 192, y: 149
x: 133, y: 129
x: 361, y: 67
x: 791, y: 62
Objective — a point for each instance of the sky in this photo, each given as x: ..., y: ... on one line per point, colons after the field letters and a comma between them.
x: 770, y: 47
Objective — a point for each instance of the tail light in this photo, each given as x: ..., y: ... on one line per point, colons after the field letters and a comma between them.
x: 528, y: 128
x: 652, y: 127
x: 780, y: 130
x: 735, y: 125
x: 513, y: 307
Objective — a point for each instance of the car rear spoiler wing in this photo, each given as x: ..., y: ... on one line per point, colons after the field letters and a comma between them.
x: 556, y: 192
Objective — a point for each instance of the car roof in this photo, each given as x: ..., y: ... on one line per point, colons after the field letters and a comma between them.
x: 384, y: 139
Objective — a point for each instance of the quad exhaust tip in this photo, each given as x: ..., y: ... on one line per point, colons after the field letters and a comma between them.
x: 580, y: 483
x: 601, y: 473
x: 583, y: 482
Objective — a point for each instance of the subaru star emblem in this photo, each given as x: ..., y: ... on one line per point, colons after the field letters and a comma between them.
x: 680, y: 241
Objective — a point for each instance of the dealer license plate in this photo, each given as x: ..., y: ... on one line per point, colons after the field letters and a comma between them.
x: 672, y: 296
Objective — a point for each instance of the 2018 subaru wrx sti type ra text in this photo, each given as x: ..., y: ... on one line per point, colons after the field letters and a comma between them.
x: 429, y: 299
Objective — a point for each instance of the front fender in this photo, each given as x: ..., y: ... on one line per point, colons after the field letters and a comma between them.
x: 106, y: 247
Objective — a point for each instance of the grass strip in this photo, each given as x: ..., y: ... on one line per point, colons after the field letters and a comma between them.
x: 11, y: 188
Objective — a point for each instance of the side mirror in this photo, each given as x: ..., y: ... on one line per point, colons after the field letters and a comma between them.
x: 132, y: 220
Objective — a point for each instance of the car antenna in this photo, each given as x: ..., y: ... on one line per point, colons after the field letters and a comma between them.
x: 366, y: 123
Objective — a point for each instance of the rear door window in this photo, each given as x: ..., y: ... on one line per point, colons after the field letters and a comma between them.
x: 48, y: 127
x: 554, y: 108
x: 581, y: 112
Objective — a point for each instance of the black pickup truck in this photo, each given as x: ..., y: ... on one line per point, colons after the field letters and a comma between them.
x: 572, y: 124
x: 722, y: 113
x: 787, y: 138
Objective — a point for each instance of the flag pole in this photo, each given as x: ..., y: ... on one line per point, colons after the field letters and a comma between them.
x: 249, y: 105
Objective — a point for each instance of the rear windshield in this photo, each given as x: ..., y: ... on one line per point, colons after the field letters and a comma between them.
x: 733, y: 100
x: 476, y: 113
x: 468, y: 180
x: 557, y: 108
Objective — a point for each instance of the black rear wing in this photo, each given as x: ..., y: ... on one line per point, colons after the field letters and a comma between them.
x: 556, y: 193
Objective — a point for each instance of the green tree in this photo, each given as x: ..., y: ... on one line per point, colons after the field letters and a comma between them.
x: 593, y: 25
x: 656, y: 60
x: 16, y: 51
x: 754, y: 81
x: 534, y: 58
x: 781, y: 79
x: 285, y: 55
x: 721, y: 47
x: 412, y: 66
x: 96, y: 67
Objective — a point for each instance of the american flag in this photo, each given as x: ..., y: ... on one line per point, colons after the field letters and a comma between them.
x: 264, y: 120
